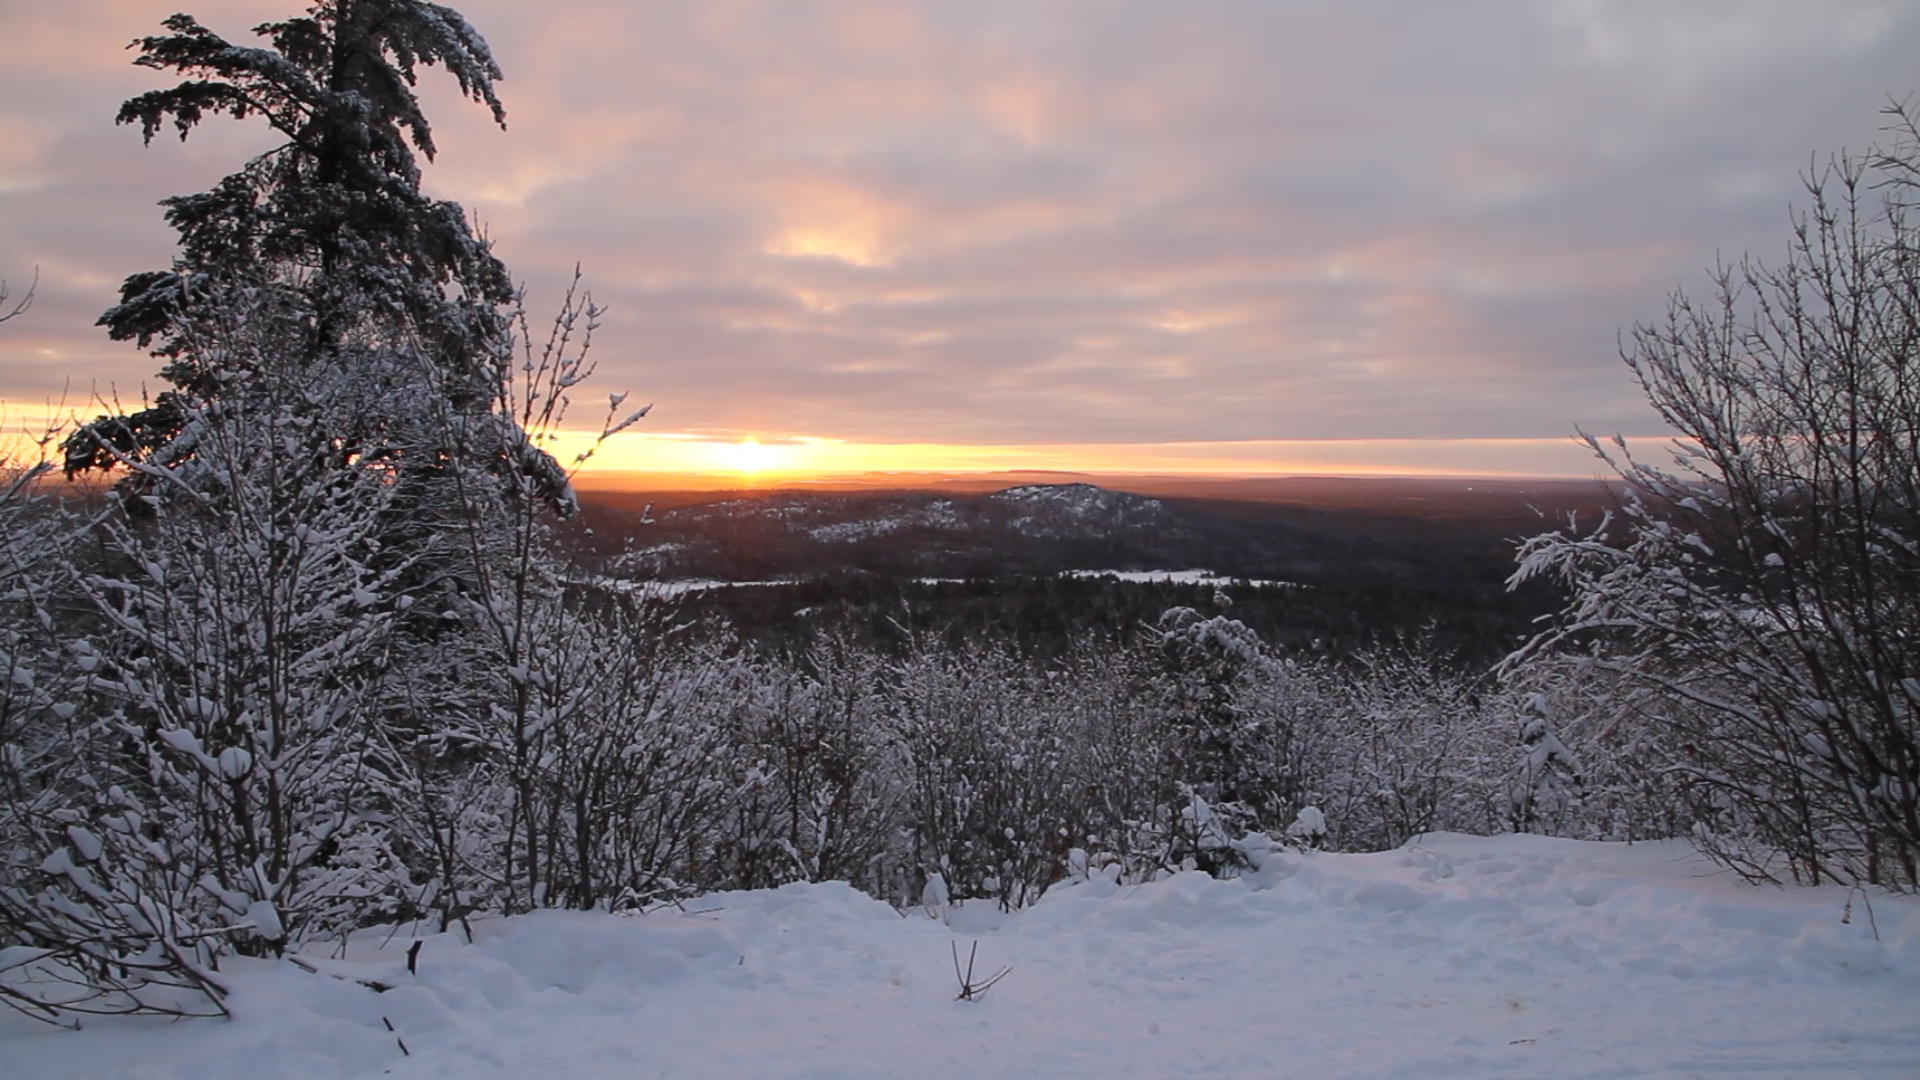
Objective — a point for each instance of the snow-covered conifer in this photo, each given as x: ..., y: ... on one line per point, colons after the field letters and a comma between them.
x: 333, y: 221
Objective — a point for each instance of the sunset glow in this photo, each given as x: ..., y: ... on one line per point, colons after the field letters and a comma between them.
x: 769, y: 461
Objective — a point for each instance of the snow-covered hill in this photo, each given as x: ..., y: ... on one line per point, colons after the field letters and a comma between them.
x: 1039, y: 510
x: 810, y: 533
x: 1454, y: 957
x: 1066, y: 510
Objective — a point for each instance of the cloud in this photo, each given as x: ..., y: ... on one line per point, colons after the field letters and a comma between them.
x: 1051, y: 221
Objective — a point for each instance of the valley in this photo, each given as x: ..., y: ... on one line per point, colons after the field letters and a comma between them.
x: 1323, y: 565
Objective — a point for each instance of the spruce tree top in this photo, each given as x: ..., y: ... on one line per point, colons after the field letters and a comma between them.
x: 334, y: 213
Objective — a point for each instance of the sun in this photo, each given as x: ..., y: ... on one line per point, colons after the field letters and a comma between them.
x: 751, y: 457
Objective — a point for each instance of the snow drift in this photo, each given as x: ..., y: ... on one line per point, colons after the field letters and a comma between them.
x: 1453, y: 956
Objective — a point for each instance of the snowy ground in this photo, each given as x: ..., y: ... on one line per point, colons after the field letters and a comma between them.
x: 1456, y: 957
x: 1179, y: 577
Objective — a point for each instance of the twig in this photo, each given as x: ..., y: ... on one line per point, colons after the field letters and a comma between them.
x: 25, y: 301
x: 307, y: 966
x: 970, y: 990
x: 1846, y: 914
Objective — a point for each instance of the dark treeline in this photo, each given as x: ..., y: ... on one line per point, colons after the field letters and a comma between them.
x: 1047, y: 616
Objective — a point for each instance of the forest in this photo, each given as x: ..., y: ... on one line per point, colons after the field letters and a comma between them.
x: 1027, y: 564
x: 310, y: 643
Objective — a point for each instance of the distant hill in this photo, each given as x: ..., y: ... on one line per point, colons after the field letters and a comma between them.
x: 1376, y: 557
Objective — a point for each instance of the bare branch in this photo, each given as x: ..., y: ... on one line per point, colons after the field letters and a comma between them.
x: 24, y: 303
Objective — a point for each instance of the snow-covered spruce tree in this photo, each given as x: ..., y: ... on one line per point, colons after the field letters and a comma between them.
x: 1549, y: 782
x: 1760, y: 596
x: 333, y: 219
x: 1223, y: 749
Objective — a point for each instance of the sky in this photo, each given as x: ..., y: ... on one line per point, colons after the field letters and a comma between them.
x: 1229, y: 236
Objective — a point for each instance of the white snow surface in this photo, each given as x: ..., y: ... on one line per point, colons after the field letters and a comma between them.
x: 847, y: 532
x: 669, y: 590
x: 1513, y: 956
x: 1179, y: 577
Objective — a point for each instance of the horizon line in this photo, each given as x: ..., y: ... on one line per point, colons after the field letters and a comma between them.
x: 758, y: 460
x: 624, y: 480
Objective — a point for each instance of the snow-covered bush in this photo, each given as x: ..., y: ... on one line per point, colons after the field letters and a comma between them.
x: 1129, y: 798
x: 216, y: 722
x: 1756, y: 600
x: 246, y: 612
x: 44, y: 957
x: 608, y: 786
x: 521, y: 715
x: 820, y: 794
x: 1404, y: 743
x: 991, y: 783
x: 1590, y: 757
x: 33, y: 542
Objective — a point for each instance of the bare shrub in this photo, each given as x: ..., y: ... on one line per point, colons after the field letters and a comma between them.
x: 1757, y: 598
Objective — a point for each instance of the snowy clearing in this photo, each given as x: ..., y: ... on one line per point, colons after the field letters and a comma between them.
x: 671, y: 590
x: 1180, y: 577
x: 1453, y: 957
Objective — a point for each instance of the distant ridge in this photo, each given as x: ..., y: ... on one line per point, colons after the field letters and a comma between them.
x: 1512, y: 499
